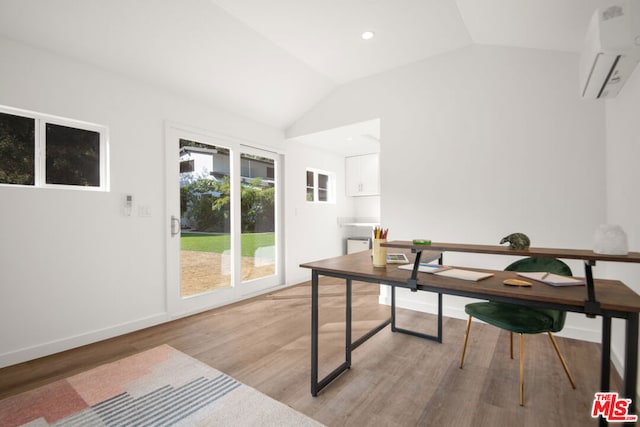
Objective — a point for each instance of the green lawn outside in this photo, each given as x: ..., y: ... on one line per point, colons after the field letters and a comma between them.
x: 220, y: 242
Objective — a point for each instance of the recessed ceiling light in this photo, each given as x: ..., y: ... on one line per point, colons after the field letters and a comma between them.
x: 367, y: 35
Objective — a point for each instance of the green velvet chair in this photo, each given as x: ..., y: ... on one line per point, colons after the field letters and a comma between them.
x: 523, y: 319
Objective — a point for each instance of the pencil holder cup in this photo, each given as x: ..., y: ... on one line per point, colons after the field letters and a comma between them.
x: 379, y: 253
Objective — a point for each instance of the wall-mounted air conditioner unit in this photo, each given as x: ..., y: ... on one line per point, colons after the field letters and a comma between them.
x: 611, y: 50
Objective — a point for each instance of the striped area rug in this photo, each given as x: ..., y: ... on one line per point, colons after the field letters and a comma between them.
x: 158, y: 387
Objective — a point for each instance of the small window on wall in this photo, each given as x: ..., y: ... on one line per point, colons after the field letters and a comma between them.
x: 17, y: 149
x: 45, y: 151
x: 320, y: 186
x: 72, y: 156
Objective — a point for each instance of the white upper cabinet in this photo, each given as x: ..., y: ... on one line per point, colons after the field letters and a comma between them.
x: 362, y: 175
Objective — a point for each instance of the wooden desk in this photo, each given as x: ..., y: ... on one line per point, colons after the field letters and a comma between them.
x: 606, y: 298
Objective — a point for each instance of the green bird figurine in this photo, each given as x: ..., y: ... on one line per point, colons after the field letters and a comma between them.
x: 517, y: 241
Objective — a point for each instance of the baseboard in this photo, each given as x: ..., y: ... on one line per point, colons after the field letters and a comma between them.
x: 52, y: 347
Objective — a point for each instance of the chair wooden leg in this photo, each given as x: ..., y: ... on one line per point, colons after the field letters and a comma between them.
x: 466, y: 338
x: 521, y: 369
x: 564, y: 364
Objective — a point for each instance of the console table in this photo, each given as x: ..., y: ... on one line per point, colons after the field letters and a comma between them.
x: 606, y: 298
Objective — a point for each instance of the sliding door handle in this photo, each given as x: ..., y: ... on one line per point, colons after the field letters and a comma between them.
x: 175, y: 225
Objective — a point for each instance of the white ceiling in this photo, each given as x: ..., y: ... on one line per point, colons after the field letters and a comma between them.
x: 273, y: 60
x: 350, y: 140
x: 325, y: 34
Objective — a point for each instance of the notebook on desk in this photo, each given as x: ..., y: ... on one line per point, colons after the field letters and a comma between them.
x: 443, y: 270
x: 465, y: 274
x: 553, y: 279
x: 426, y: 268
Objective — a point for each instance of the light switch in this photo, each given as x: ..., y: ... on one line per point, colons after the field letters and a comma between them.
x: 144, y: 211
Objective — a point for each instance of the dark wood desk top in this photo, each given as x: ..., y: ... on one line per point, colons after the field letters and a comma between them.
x: 583, y: 254
x: 612, y: 295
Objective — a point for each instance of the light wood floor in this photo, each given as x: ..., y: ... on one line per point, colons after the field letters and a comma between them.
x: 395, y: 379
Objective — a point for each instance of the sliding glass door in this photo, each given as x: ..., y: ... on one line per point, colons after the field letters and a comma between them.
x: 258, y: 216
x: 222, y: 201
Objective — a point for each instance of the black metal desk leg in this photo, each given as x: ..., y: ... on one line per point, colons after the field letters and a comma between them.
x: 314, y: 333
x: 605, y: 361
x: 393, y: 308
x: 394, y: 328
x: 318, y: 384
x: 347, y: 332
x: 631, y: 361
x: 439, y: 317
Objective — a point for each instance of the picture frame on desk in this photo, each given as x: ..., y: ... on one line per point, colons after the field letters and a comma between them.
x: 397, y: 258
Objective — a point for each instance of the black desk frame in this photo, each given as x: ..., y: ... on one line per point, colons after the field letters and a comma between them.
x: 591, y: 308
x: 350, y: 345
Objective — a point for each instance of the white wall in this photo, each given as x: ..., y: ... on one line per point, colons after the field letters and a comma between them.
x: 366, y: 207
x: 73, y: 269
x: 468, y: 131
x: 311, y: 229
x: 623, y: 176
x: 479, y: 143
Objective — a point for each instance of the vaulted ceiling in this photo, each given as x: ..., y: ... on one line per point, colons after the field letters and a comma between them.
x: 272, y: 60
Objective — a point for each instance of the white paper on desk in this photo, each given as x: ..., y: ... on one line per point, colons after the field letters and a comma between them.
x: 553, y: 279
x: 464, y: 274
x: 425, y: 268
